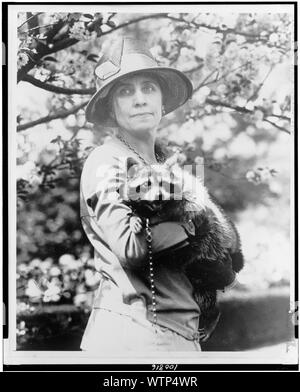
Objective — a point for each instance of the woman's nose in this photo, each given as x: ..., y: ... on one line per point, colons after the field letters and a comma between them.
x: 139, y: 97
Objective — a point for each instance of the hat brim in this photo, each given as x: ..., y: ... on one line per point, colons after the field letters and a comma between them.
x: 177, y: 90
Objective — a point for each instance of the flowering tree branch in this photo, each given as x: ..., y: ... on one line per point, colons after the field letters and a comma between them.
x: 43, y: 50
x: 242, y: 109
x: 277, y: 126
x: 136, y: 20
x: 29, y: 19
x: 229, y: 30
x: 67, y: 41
x: 254, y: 95
x: 57, y: 89
x: 60, y: 114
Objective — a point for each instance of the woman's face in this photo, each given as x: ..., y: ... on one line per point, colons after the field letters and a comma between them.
x: 136, y: 104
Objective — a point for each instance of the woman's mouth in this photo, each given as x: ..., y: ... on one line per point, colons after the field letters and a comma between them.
x: 142, y: 114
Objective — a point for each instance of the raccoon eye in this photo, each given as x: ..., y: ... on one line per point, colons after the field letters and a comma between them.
x: 149, y: 182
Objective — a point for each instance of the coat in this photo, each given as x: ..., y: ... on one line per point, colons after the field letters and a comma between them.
x: 121, y: 256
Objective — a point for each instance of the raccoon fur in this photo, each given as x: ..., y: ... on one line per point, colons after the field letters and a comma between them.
x: 214, y: 254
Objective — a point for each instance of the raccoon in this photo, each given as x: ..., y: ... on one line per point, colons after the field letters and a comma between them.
x: 214, y: 254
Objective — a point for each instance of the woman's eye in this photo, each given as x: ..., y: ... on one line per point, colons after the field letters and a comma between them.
x: 125, y: 91
x: 149, y: 88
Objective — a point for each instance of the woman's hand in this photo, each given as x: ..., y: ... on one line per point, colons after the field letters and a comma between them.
x: 136, y: 224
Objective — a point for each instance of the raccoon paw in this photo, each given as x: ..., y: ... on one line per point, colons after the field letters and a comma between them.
x: 206, y: 332
x: 135, y: 224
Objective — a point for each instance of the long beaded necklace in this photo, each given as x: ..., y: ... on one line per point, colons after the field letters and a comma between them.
x: 120, y: 137
x: 148, y: 238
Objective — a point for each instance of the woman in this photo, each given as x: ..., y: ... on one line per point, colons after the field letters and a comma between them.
x: 135, y: 308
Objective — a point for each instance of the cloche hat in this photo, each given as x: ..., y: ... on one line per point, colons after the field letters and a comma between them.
x: 126, y: 57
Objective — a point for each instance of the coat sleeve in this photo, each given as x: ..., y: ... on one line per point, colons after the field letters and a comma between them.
x: 101, y: 177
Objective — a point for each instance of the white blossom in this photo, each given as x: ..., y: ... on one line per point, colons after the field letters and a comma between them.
x: 56, y: 16
x: 79, y: 32
x: 80, y: 299
x: 33, y: 290
x: 52, y: 293
x: 201, y: 95
x: 22, y: 59
x: 21, y: 329
x: 55, y: 271
x: 91, y: 278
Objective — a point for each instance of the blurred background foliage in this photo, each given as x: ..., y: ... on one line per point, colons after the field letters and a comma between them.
x: 238, y: 120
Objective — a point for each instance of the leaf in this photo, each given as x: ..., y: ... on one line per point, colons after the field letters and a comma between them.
x: 88, y: 16
x: 98, y: 30
x: 56, y: 140
x: 50, y: 58
x: 93, y: 57
x: 199, y: 59
x: 252, y: 22
x: 51, y: 78
x: 61, y: 32
x: 111, y: 23
x: 74, y: 16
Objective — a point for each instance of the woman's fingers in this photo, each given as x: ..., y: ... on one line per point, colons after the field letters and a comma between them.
x: 135, y: 224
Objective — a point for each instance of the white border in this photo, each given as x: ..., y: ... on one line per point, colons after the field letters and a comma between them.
x: 145, y: 8
x: 287, y: 357
x: 64, y: 357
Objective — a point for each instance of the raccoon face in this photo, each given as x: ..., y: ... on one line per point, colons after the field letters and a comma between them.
x: 155, y: 184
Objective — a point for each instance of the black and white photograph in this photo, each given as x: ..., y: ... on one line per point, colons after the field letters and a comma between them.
x: 150, y: 184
